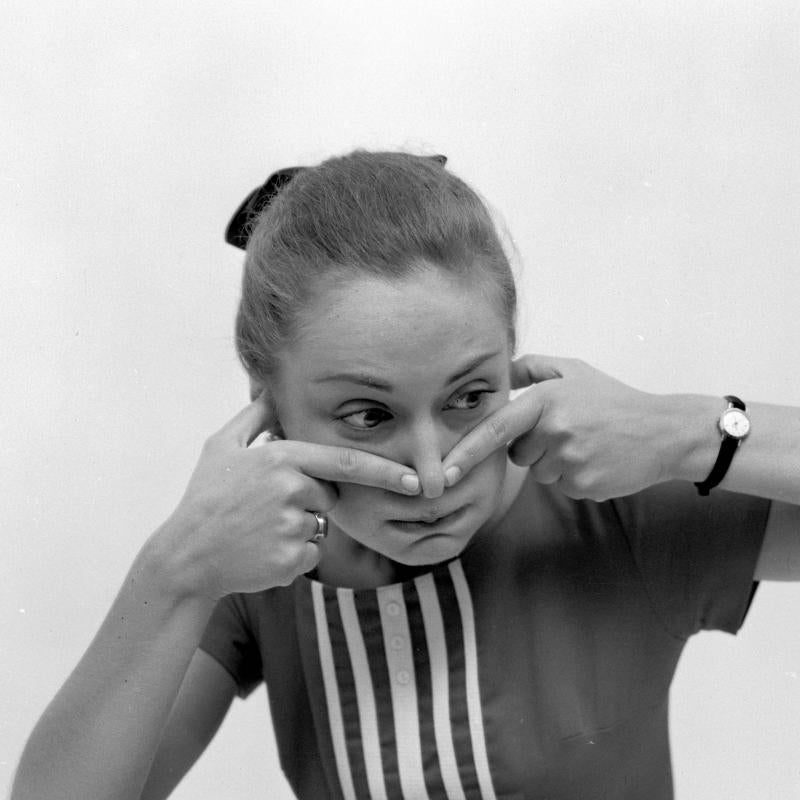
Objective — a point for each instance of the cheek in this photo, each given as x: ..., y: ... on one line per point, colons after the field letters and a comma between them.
x: 357, y: 513
x: 303, y: 424
x: 486, y: 479
x: 356, y: 502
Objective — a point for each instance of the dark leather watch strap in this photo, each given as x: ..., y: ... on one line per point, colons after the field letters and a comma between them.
x: 727, y: 450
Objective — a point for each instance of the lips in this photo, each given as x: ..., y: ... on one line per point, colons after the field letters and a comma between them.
x: 431, y: 521
x: 429, y: 518
x: 434, y: 515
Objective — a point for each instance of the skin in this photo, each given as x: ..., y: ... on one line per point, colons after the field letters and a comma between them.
x: 363, y: 374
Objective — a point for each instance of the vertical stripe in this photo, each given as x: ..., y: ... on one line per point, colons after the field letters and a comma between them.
x: 307, y: 720
x: 440, y: 690
x: 367, y: 711
x: 348, y: 699
x: 459, y: 716
x: 404, y: 691
x: 422, y: 670
x: 369, y: 618
x: 332, y: 693
x: 471, y: 677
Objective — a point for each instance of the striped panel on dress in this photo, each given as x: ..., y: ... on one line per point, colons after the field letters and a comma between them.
x: 400, y: 674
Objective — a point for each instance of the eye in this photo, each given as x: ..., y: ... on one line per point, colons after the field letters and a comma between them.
x: 366, y: 418
x: 466, y: 401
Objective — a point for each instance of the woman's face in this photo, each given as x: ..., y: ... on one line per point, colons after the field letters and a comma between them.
x: 404, y: 369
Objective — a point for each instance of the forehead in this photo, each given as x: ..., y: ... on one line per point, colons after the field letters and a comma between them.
x: 425, y: 322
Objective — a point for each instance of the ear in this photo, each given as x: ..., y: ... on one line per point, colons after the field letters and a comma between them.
x: 257, y: 388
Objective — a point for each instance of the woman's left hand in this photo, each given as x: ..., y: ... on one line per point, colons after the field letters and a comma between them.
x: 575, y: 426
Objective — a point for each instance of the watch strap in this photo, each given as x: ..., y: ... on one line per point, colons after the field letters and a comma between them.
x: 727, y: 450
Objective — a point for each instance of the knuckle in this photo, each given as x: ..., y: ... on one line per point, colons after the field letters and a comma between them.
x: 281, y: 485
x: 296, y: 520
x: 559, y: 423
x: 497, y: 429
x: 467, y: 450
x: 278, y: 563
x: 584, y: 485
x: 286, y: 564
x: 348, y: 462
x: 287, y: 520
x: 293, y: 485
x: 580, y: 484
x: 570, y: 453
x: 385, y: 478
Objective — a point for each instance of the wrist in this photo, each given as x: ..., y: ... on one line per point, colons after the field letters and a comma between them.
x: 173, y: 564
x: 693, y: 437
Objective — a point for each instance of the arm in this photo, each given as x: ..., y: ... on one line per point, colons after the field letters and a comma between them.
x: 203, y: 701
x: 98, y: 737
x: 204, y: 697
x: 243, y: 525
x: 766, y: 464
x: 598, y: 438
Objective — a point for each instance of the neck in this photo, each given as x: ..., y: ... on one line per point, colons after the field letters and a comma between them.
x: 352, y: 565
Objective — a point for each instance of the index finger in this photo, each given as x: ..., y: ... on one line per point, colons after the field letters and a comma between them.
x: 348, y: 465
x: 497, y: 430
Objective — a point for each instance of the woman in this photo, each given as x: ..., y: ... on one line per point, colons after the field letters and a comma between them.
x: 448, y: 594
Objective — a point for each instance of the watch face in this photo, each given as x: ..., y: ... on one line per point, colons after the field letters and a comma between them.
x: 735, y: 423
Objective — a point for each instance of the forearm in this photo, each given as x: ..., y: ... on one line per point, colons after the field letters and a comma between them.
x: 99, y: 735
x: 767, y: 463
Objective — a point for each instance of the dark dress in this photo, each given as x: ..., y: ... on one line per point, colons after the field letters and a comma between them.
x: 536, y: 665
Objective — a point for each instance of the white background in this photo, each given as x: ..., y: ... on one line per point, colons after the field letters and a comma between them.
x: 643, y: 155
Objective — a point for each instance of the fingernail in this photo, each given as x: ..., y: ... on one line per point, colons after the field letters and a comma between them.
x: 410, y: 483
x: 452, y: 475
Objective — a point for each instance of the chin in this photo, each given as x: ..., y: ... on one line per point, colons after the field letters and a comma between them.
x: 417, y: 545
x: 431, y: 550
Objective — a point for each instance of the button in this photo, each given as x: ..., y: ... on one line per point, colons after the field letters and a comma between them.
x: 403, y: 677
x: 397, y: 642
x: 393, y: 608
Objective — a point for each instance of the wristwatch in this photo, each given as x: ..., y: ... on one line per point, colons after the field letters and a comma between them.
x: 734, y: 425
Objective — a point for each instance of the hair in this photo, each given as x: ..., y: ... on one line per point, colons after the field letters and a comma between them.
x: 382, y: 215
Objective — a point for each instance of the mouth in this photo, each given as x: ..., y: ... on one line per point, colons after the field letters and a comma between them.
x: 429, y: 521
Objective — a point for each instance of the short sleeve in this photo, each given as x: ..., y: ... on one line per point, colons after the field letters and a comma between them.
x: 228, y: 638
x: 696, y: 555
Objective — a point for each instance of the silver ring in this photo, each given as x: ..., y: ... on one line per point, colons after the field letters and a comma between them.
x: 322, y: 527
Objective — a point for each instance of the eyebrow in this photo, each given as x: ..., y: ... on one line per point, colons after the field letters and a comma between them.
x: 364, y: 379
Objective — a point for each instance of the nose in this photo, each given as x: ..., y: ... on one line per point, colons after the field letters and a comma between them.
x: 427, y: 444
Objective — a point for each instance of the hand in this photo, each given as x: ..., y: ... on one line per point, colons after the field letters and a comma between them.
x: 245, y: 520
x: 575, y: 426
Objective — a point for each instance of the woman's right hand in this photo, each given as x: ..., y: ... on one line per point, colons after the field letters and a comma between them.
x: 245, y: 520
